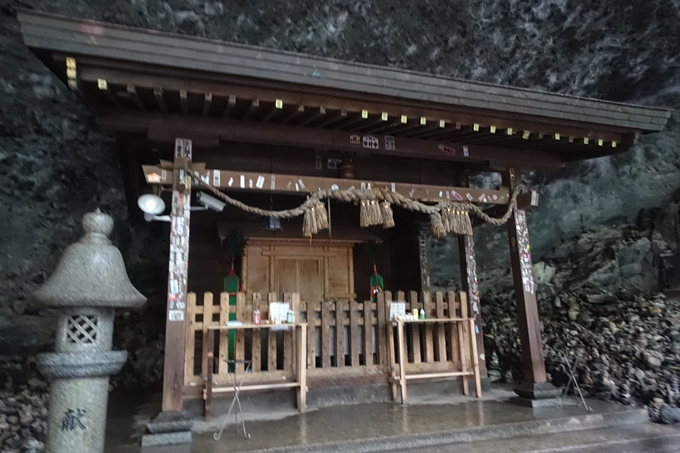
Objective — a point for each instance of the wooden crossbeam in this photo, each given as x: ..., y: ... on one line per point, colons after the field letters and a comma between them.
x: 303, y: 185
x: 164, y: 127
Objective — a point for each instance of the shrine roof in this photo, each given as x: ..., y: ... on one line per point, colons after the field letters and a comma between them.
x: 129, y: 77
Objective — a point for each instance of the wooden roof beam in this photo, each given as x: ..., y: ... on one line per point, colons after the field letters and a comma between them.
x: 416, y: 127
x: 436, y: 134
x: 174, y: 80
x: 183, y: 100
x: 403, y: 119
x: 158, y: 94
x: 351, y: 121
x: 164, y: 128
x: 207, y: 102
x: 231, y: 103
x: 104, y: 88
x: 132, y: 91
x: 437, y: 125
x: 321, y: 111
x: 367, y: 126
x: 294, y: 115
x: 275, y: 109
x: 254, y: 106
x: 334, y: 119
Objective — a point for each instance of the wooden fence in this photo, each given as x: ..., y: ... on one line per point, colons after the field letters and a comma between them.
x: 347, y: 342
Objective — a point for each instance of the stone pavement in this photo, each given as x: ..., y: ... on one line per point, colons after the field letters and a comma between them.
x: 442, y: 424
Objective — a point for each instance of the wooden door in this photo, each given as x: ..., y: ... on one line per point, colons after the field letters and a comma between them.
x: 299, y: 275
x: 316, y: 272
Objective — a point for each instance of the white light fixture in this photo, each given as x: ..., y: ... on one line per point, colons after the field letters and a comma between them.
x: 152, y: 205
x: 158, y: 218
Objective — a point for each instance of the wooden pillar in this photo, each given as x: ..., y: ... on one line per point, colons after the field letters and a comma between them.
x: 534, y: 385
x: 468, y: 272
x: 173, y: 369
x: 469, y: 283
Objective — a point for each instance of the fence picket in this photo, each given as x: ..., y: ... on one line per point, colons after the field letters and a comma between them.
x: 223, y: 352
x: 207, y: 321
x: 239, y: 353
x: 339, y: 335
x: 440, y: 328
x: 271, y: 352
x: 453, y: 329
x: 368, y: 333
x: 415, y: 328
x: 325, y: 335
x: 257, y: 336
x: 381, y: 327
x: 312, y: 333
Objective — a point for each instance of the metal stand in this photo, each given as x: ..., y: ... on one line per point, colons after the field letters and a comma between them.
x: 236, y: 400
x: 571, y: 369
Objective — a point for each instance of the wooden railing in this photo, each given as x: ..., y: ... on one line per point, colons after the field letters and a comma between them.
x: 347, y: 342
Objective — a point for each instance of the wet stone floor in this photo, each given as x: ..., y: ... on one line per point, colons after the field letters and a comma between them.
x: 389, y: 426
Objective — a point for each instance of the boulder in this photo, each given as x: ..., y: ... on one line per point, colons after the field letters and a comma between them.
x: 543, y: 273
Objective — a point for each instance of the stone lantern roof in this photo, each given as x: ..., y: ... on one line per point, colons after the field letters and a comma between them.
x: 91, y: 273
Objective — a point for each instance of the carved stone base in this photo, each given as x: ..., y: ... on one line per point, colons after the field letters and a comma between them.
x: 539, y: 391
x: 536, y: 395
x: 168, y: 428
x: 162, y: 439
x: 526, y: 402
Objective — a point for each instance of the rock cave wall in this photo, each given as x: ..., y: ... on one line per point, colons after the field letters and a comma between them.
x: 55, y: 165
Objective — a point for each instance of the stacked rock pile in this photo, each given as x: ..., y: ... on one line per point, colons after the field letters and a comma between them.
x: 23, y: 407
x: 594, y: 311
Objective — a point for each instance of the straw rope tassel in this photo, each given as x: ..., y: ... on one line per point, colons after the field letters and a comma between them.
x: 374, y: 214
x: 387, y: 215
x: 447, y: 218
x: 309, y: 225
x: 321, y: 216
x: 461, y: 223
x: 436, y: 225
x: 363, y: 215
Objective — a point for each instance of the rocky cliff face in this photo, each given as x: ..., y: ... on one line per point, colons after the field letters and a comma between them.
x: 55, y: 166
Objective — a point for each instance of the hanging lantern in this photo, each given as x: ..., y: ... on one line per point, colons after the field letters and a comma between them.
x: 346, y: 168
x: 271, y: 224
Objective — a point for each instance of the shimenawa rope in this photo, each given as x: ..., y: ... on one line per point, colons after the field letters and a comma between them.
x: 375, y: 209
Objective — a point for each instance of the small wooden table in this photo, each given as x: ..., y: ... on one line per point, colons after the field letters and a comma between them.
x: 463, y: 373
x: 301, y: 360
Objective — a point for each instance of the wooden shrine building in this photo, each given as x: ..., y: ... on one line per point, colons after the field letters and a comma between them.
x: 269, y: 129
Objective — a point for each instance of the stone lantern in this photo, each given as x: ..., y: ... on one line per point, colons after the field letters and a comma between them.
x: 88, y: 283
